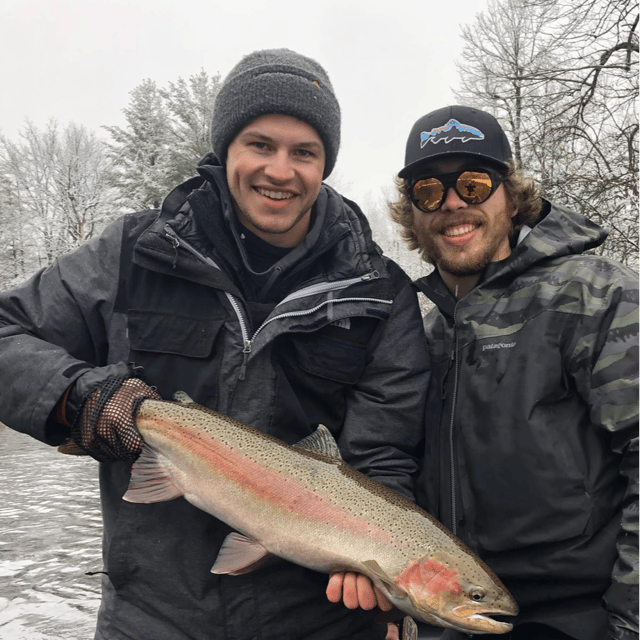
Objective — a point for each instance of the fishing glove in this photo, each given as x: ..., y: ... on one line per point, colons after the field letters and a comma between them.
x: 104, y: 424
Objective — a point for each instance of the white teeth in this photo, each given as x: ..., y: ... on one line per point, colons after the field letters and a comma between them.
x: 459, y: 231
x: 275, y: 195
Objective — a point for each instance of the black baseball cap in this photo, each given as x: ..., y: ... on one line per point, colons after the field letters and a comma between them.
x: 456, y: 130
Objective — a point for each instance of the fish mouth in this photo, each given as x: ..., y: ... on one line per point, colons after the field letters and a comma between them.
x: 483, y: 621
x: 470, y: 619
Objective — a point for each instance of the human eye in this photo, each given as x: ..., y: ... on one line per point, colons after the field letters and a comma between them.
x: 258, y: 144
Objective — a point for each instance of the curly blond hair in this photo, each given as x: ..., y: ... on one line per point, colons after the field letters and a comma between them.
x: 521, y: 192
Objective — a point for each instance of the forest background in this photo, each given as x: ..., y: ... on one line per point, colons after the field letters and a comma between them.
x: 560, y: 75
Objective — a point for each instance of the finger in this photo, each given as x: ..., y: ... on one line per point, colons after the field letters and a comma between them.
x: 334, y: 587
x: 383, y: 602
x: 366, y: 595
x: 350, y: 591
x: 393, y: 631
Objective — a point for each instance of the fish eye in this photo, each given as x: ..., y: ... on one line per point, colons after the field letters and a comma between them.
x: 477, y: 594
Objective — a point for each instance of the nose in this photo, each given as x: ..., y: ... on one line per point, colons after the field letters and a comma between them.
x: 279, y: 168
x: 452, y: 201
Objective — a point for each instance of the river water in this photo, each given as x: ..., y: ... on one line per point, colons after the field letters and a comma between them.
x: 50, y: 538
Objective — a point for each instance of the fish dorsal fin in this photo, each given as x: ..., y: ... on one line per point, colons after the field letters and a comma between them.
x: 150, y: 481
x: 240, y: 554
x: 322, y: 441
x: 375, y: 571
x: 182, y: 398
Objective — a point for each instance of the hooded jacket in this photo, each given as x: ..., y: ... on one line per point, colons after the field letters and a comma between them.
x: 329, y: 334
x: 532, y: 425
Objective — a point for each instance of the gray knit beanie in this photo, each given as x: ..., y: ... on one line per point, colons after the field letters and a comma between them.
x: 276, y: 81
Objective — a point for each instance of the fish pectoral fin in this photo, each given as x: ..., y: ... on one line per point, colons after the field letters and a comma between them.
x: 150, y: 481
x: 374, y: 570
x: 240, y: 554
x: 322, y: 441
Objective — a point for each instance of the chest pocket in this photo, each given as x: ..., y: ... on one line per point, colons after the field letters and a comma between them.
x: 331, y: 358
x: 177, y: 352
x: 171, y: 333
x: 335, y: 353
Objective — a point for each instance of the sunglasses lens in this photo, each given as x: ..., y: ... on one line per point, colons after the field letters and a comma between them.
x: 474, y: 187
x: 427, y: 194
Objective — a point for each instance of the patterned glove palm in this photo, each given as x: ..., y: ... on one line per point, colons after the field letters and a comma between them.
x: 105, y: 425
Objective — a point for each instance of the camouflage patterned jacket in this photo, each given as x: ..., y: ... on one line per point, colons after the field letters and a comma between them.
x: 532, y: 426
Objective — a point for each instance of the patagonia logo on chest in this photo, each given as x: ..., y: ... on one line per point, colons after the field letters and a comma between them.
x: 499, y: 345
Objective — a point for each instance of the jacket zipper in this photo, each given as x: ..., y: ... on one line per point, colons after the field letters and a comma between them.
x: 315, y: 289
x: 452, y: 461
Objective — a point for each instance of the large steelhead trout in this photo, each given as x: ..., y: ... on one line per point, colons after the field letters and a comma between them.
x: 303, y: 503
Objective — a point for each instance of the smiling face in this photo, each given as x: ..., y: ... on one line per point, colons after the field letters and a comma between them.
x: 274, y: 171
x: 460, y: 239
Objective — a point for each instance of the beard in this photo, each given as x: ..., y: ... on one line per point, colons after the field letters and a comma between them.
x: 454, y: 261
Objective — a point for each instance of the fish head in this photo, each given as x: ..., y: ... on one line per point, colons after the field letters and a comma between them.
x: 456, y: 591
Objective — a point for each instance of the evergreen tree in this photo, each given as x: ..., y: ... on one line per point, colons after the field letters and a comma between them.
x: 168, y: 131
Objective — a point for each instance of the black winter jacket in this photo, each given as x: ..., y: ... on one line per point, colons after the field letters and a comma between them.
x: 534, y: 463
x: 342, y: 345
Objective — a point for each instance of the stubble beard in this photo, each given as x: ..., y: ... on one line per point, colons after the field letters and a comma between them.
x: 452, y: 262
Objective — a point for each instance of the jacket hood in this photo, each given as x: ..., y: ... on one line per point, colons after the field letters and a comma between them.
x: 560, y: 232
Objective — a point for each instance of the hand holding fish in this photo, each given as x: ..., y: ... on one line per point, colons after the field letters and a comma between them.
x: 100, y: 415
x: 356, y: 590
x: 106, y: 426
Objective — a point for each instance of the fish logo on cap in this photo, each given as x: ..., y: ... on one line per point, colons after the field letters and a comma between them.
x: 453, y: 130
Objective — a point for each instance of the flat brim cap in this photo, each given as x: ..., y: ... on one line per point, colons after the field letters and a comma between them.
x: 277, y: 81
x: 456, y: 131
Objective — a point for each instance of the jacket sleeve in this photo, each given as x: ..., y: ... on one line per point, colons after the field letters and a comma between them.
x: 383, y: 427
x: 605, y: 370
x: 53, y: 329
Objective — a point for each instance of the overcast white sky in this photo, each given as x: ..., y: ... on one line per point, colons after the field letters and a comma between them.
x: 390, y: 61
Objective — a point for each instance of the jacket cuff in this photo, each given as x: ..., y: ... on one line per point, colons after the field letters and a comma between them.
x: 87, y: 383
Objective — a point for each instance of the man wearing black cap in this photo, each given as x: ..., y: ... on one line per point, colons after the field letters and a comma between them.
x: 258, y: 291
x: 532, y: 417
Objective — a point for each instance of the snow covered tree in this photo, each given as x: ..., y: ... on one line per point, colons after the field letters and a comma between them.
x: 562, y: 77
x: 190, y: 104
x: 53, y: 195
x: 140, y: 153
x: 167, y: 132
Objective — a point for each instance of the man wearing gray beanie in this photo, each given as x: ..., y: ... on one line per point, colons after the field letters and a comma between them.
x: 258, y: 290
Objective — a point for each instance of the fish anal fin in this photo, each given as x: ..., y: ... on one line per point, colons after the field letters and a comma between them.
x: 374, y: 570
x: 322, y: 441
x: 150, y: 481
x: 240, y: 554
